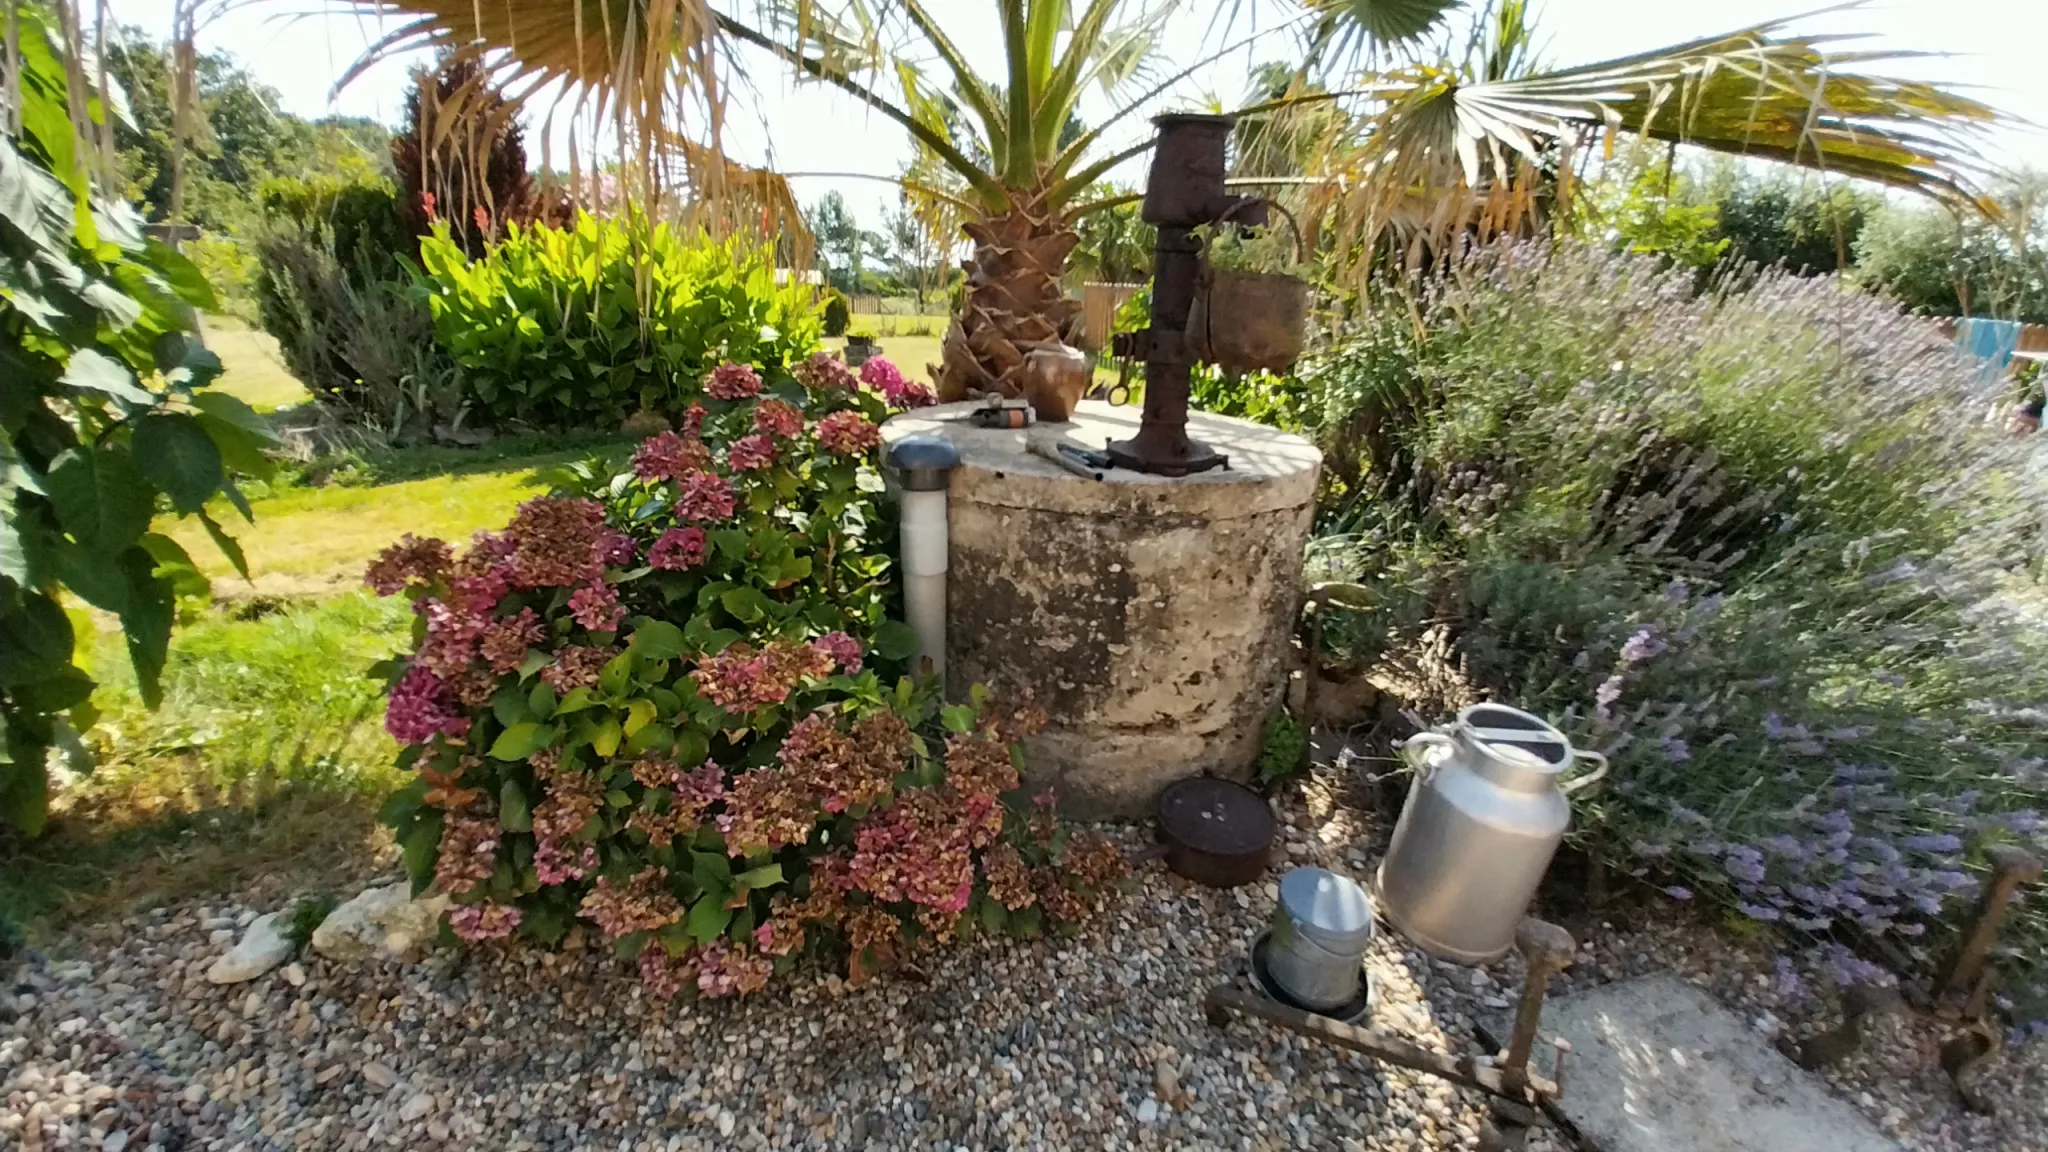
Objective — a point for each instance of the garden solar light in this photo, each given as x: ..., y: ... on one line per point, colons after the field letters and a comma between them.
x: 922, y: 465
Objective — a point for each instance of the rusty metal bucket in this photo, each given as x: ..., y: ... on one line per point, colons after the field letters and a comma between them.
x: 1249, y: 321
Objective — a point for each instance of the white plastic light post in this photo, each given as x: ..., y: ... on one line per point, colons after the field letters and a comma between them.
x: 922, y: 464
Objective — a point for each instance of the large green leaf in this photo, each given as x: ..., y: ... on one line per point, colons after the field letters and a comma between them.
x: 523, y: 740
x: 657, y: 639
x: 513, y: 813
x: 175, y: 453
x: 100, y: 496
x: 35, y: 203
x: 94, y: 371
x: 181, y: 274
x: 185, y: 362
x: 708, y: 917
x: 146, y: 622
x: 24, y: 797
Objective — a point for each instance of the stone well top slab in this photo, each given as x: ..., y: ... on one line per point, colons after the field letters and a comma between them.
x: 1269, y: 469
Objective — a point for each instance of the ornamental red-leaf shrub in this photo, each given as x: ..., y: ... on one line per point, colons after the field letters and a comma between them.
x: 654, y: 703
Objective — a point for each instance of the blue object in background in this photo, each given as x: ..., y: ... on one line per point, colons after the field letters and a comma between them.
x: 1990, y: 342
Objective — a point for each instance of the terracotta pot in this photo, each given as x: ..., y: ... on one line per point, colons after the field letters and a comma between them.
x: 1249, y: 321
x: 1055, y: 376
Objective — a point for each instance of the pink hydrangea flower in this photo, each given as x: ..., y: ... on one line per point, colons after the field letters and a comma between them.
x: 825, y: 372
x: 848, y: 434
x: 659, y: 458
x: 421, y: 707
x: 779, y: 418
x: 843, y: 649
x: 476, y: 923
x: 751, y: 452
x: 410, y: 559
x: 705, y: 496
x: 730, y: 381
x: 884, y: 377
x: 724, y: 970
x: 679, y: 549
x: 617, y: 548
x: 693, y: 420
x: 553, y: 863
x: 597, y: 607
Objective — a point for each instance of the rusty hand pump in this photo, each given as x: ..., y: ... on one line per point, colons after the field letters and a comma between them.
x: 1184, y: 191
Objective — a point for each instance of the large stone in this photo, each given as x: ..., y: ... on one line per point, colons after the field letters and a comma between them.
x: 1658, y: 1066
x: 1150, y: 617
x: 381, y: 922
x: 262, y: 947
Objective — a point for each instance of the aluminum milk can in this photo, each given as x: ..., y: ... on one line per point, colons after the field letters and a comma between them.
x: 1321, y: 928
x: 1484, y: 816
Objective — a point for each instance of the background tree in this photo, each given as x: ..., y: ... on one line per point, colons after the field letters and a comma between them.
x: 461, y: 157
x: 1115, y: 244
x: 238, y: 138
x: 839, y: 240
x: 920, y: 250
x: 1809, y: 227
x: 1943, y: 264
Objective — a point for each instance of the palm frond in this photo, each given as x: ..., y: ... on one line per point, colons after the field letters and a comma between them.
x: 641, y: 68
x: 1484, y: 153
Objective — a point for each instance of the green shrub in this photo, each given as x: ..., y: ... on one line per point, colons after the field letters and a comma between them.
x: 578, y: 328
x: 230, y: 266
x: 334, y: 286
x: 106, y: 422
x: 1770, y: 550
x: 1939, y: 265
x: 654, y: 703
x: 354, y: 330
x: 837, y: 313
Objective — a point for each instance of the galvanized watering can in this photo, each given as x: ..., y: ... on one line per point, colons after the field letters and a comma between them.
x: 1485, y: 815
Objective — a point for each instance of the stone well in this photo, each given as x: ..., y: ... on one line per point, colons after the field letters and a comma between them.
x: 1151, y: 618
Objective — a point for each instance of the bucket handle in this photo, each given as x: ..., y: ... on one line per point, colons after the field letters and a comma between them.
x: 1428, y: 738
x: 1594, y: 776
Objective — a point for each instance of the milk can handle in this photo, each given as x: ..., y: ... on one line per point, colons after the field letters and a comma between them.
x: 1591, y: 777
x: 1427, y: 738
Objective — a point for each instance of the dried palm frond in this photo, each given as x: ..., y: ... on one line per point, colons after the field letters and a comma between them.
x: 1442, y: 152
x: 641, y: 70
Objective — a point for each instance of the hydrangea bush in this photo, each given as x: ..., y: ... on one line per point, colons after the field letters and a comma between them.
x: 654, y: 704
x: 1770, y: 549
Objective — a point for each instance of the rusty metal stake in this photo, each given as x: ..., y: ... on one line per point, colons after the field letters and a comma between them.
x: 2011, y: 867
x: 1863, y: 1000
x: 1546, y: 951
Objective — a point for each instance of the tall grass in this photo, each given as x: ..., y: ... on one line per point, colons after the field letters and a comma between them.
x: 268, y: 756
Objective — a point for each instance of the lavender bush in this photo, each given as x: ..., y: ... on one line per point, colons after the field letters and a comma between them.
x: 1772, y: 550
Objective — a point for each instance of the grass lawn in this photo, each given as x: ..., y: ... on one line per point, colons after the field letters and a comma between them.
x: 309, y: 540
x: 255, y: 372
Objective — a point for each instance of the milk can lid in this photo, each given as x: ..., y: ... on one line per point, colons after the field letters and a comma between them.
x: 1516, y: 736
x: 1330, y: 908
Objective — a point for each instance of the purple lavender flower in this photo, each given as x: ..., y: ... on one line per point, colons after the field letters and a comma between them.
x: 1678, y: 892
x: 1644, y: 645
x: 1943, y: 844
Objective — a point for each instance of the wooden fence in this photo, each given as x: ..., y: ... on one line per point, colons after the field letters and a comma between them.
x: 1099, y: 303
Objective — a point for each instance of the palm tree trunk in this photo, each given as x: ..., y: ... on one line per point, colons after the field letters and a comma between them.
x: 1015, y: 300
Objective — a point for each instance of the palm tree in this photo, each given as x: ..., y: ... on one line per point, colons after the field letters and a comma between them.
x: 1469, y: 142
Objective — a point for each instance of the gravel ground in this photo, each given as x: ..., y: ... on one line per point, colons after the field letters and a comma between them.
x: 1096, y: 1041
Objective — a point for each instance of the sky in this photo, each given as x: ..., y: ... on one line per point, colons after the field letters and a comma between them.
x: 1996, y: 49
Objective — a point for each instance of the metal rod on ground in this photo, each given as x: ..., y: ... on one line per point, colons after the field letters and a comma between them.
x: 1368, y: 1041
